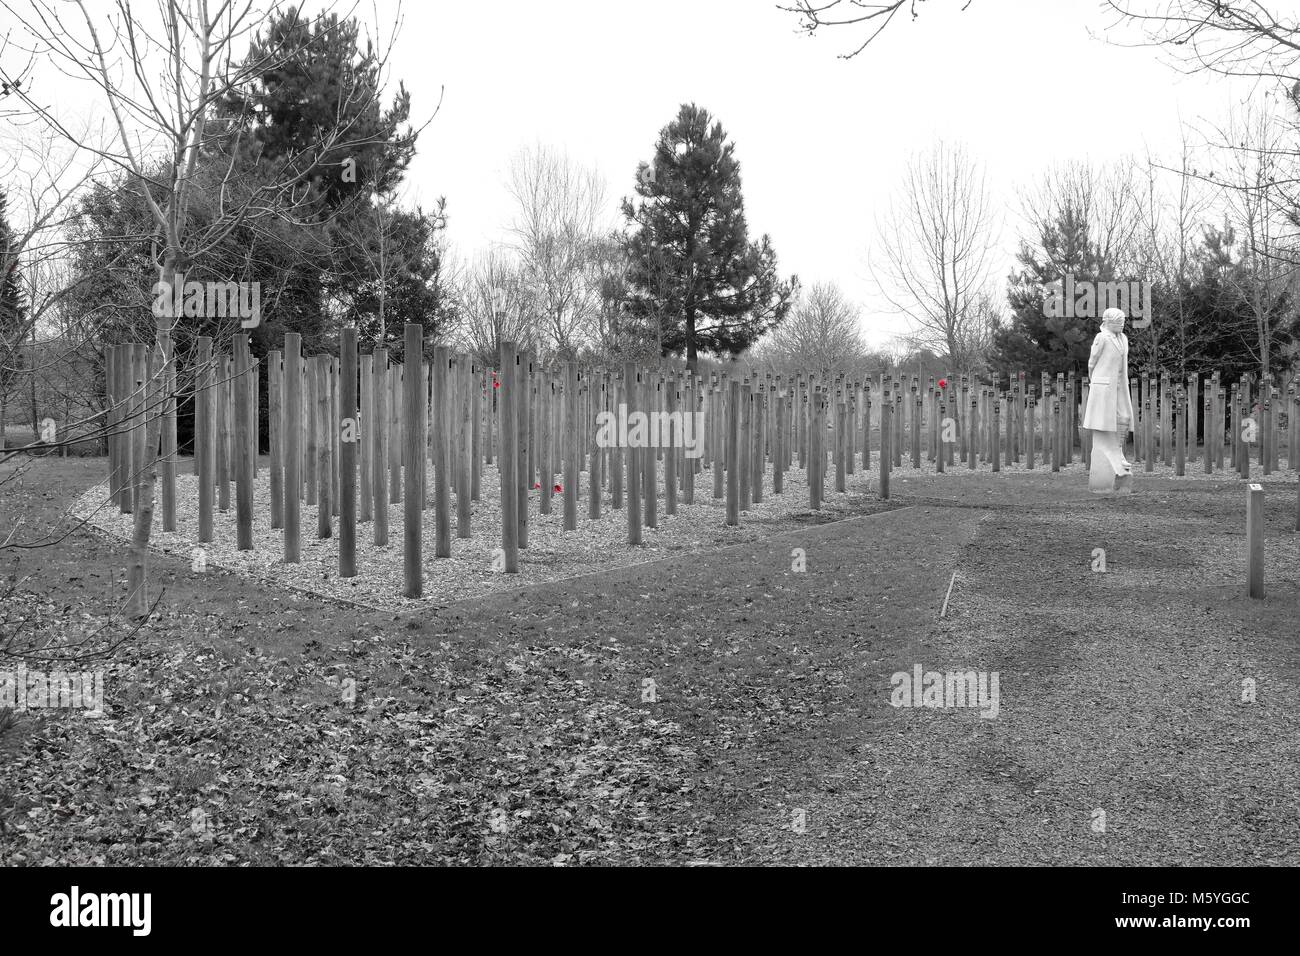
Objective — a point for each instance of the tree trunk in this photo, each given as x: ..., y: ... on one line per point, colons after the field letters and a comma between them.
x: 36, y: 424
x: 137, y: 605
x: 692, y: 358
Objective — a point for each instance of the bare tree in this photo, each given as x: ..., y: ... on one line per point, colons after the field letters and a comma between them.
x: 561, y: 214
x: 495, y: 305
x: 1228, y: 37
x: 1253, y: 191
x: 162, y: 79
x: 870, y: 18
x: 823, y: 331
x: 935, y: 248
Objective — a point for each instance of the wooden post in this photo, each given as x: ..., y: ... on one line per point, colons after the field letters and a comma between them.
x: 396, y: 379
x: 167, y: 464
x: 311, y: 406
x: 545, y: 440
x: 1255, y: 541
x: 672, y: 432
x: 476, y: 430
x: 413, y: 413
x: 275, y: 434
x: 205, y: 439
x: 464, y: 430
x: 572, y: 448
x: 443, y: 369
x: 508, y: 460
x: 632, y: 456
x: 779, y: 443
x: 379, y: 453
x: 1179, y: 424
x: 332, y: 432
x: 348, y: 438
x: 717, y: 429
x: 594, y: 481
x: 243, y: 459
x: 733, y: 453
x: 224, y: 466
x: 615, y: 452
x: 1030, y: 405
x: 746, y: 460
x: 840, y: 451
x: 523, y: 402
x: 324, y: 449
x: 997, y: 434
x: 886, y: 434
x: 650, y: 457
x: 367, y: 423
x: 292, y: 447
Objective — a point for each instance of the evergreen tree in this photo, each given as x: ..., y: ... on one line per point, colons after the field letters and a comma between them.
x: 692, y: 268
x: 1033, y: 341
x: 321, y: 79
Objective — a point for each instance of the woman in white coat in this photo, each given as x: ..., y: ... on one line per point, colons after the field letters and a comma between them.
x: 1110, y: 409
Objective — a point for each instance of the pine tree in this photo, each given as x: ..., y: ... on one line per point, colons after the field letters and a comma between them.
x: 692, y: 269
x: 1034, y: 341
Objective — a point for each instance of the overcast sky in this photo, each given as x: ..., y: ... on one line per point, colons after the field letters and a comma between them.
x: 822, y: 141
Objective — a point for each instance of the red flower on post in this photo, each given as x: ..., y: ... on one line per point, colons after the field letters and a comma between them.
x: 558, y: 489
x: 536, y: 485
x: 943, y: 383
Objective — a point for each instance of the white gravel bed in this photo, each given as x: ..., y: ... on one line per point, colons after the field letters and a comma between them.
x: 552, y: 554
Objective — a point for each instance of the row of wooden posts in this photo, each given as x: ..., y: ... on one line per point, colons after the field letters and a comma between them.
x: 355, y: 433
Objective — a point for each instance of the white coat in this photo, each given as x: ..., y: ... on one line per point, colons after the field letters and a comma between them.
x: 1108, y: 395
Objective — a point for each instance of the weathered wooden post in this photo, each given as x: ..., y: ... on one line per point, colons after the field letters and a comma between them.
x: 310, y: 406
x: 631, y: 380
x: 205, y: 439
x: 733, y: 453
x: 1179, y: 424
x: 886, y: 433
x: 292, y: 447
x: 523, y: 405
x: 243, y: 460
x: 324, y: 449
x: 572, y: 448
x: 379, y: 454
x: 275, y: 434
x: 367, y: 423
x: 348, y: 438
x: 443, y: 366
x: 413, y: 412
x: 464, y: 428
x: 508, y: 458
x: 1255, y: 541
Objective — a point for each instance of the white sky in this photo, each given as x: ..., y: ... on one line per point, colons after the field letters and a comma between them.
x: 822, y: 141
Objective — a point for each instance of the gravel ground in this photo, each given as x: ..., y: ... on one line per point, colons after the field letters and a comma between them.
x: 552, y: 554
x: 517, y: 727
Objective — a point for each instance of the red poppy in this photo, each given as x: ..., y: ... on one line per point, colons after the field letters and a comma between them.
x: 495, y: 383
x: 558, y: 489
x: 943, y: 383
x: 536, y: 485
